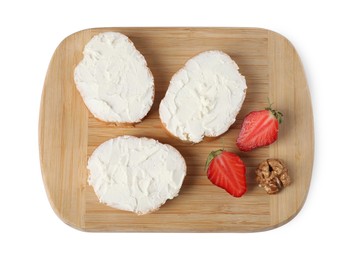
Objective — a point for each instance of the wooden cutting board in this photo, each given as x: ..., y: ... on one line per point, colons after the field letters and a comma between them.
x: 68, y: 134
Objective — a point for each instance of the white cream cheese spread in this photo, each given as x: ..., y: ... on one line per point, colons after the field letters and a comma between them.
x: 204, y: 97
x: 114, y: 80
x: 136, y: 174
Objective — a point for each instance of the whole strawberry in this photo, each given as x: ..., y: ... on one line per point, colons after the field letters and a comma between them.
x: 259, y: 128
x: 227, y: 171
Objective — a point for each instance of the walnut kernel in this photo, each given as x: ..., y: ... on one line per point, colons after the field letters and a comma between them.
x: 272, y: 175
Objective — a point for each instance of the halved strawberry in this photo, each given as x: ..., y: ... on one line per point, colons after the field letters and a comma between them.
x: 259, y: 128
x: 227, y: 171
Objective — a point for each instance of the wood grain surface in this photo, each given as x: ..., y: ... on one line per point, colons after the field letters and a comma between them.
x: 68, y: 134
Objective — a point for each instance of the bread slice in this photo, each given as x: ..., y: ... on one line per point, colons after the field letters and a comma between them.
x: 114, y: 80
x: 204, y: 97
x: 136, y: 174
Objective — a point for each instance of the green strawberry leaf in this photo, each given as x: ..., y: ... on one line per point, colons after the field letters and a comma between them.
x: 211, y: 156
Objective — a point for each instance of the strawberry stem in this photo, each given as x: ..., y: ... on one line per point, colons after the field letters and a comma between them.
x: 277, y: 114
x: 211, y: 156
x: 268, y: 101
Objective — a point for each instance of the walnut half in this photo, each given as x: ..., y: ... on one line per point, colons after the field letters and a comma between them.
x: 272, y: 175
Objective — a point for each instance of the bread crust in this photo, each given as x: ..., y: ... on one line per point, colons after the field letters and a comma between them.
x: 124, y: 123
x: 208, y: 138
x: 172, y: 195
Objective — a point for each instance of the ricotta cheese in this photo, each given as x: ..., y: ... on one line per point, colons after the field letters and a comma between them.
x: 114, y: 80
x: 136, y: 174
x: 204, y: 97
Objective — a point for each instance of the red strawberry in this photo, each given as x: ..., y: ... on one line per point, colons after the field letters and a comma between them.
x: 227, y: 171
x: 259, y: 128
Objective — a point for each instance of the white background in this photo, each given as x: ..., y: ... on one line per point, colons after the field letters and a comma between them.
x: 30, y: 32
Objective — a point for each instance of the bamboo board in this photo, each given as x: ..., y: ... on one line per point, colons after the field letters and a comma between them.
x: 68, y: 134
